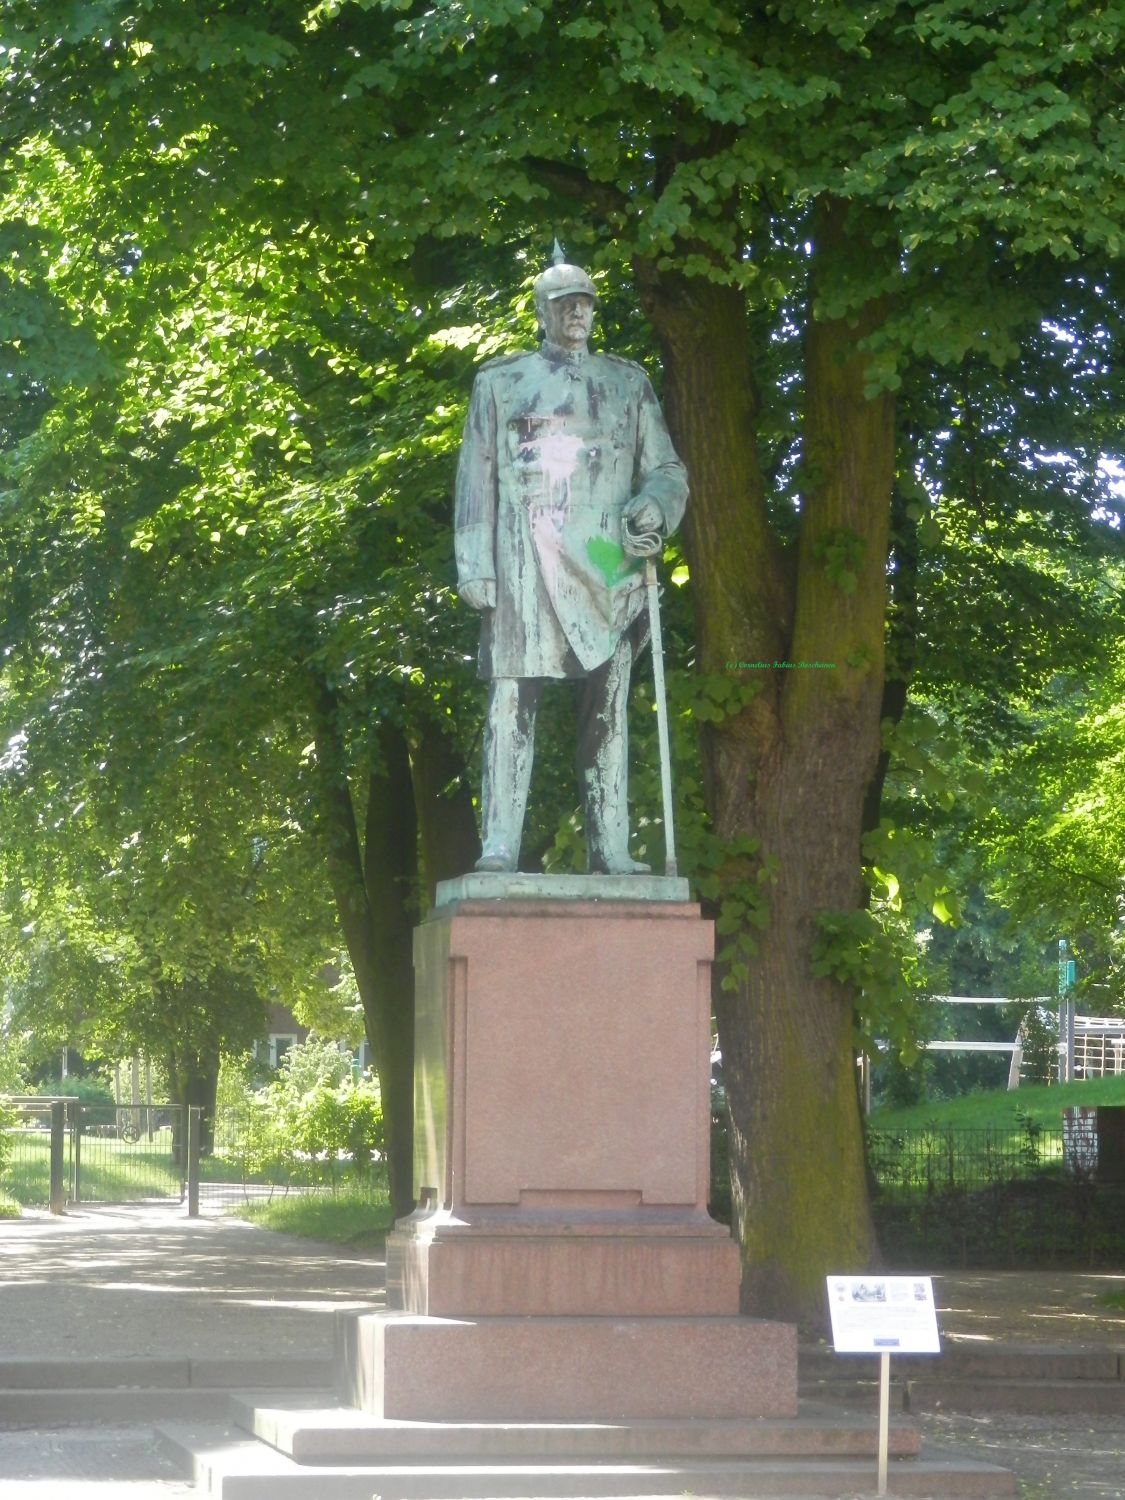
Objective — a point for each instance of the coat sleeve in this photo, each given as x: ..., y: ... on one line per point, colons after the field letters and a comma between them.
x: 658, y: 475
x: 475, y: 495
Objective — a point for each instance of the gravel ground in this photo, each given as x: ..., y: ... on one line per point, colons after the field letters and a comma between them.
x: 1036, y: 1307
x: 1058, y: 1457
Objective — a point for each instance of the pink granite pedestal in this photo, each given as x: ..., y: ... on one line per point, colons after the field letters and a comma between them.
x: 561, y: 1264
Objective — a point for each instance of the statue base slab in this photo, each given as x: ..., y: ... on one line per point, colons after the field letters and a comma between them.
x: 621, y: 1267
x: 489, y: 885
x: 565, y: 1369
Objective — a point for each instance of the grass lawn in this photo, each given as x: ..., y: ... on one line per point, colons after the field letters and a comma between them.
x: 112, y: 1171
x: 1003, y: 1109
x: 337, y: 1219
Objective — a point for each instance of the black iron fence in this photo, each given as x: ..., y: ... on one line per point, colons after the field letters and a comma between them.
x: 64, y: 1151
x: 1014, y: 1198
x: 937, y: 1157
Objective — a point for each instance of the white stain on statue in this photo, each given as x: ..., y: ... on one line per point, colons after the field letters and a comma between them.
x: 557, y: 455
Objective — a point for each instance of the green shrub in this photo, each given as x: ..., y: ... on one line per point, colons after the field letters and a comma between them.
x: 13, y: 1061
x: 312, y: 1062
x: 9, y: 1208
x: 312, y: 1124
x: 93, y: 1093
x: 7, y: 1122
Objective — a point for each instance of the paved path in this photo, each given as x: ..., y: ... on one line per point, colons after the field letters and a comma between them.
x: 148, y: 1281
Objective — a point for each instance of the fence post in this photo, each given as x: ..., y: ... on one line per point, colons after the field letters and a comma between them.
x: 76, y: 1151
x: 194, y: 1120
x: 58, y: 1137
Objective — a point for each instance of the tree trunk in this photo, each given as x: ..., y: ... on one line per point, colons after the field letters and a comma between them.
x: 390, y: 866
x: 790, y: 767
x: 379, y: 953
x: 449, y: 840
x: 193, y: 1081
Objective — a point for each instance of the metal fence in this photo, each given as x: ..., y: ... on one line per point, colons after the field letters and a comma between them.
x: 64, y: 1151
x: 245, y: 1157
x: 935, y: 1158
x: 991, y: 1198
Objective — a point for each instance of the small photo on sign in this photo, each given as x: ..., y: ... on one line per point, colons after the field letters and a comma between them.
x: 869, y: 1291
x: 883, y: 1315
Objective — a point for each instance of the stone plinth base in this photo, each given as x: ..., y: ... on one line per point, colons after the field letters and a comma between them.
x: 561, y: 1266
x: 565, y: 1369
x: 562, y: 1110
x: 627, y: 1267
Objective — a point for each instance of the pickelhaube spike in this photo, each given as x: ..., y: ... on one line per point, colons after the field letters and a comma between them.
x: 561, y: 279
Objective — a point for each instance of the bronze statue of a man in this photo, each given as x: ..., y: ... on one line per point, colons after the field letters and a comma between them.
x: 565, y: 463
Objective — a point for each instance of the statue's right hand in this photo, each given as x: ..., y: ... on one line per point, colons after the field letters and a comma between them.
x: 479, y: 593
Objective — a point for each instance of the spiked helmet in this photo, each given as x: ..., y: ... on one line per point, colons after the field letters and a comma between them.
x: 561, y: 279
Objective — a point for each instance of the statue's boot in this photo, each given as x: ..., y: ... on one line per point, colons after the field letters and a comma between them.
x: 509, y: 747
x: 497, y: 858
x: 603, y: 765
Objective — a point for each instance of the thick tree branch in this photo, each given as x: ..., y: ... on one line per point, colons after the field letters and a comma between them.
x: 603, y: 198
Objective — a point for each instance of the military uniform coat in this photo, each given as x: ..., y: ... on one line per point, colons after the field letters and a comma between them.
x: 555, y: 445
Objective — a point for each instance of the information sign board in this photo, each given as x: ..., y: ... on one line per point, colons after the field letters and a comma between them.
x: 883, y: 1315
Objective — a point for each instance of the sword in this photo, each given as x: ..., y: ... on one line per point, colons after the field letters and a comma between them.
x: 647, y: 544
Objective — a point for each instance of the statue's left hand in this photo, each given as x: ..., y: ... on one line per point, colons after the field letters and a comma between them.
x: 644, y: 515
x: 642, y: 528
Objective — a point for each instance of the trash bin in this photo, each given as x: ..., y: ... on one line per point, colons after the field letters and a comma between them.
x: 1094, y: 1141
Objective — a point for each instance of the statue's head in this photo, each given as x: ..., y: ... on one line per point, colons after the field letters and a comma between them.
x: 561, y: 279
x: 564, y: 302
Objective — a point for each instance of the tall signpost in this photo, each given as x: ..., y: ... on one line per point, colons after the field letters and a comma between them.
x: 1068, y: 973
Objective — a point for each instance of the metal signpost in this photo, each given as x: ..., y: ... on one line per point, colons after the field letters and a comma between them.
x: 1068, y: 975
x: 883, y: 1315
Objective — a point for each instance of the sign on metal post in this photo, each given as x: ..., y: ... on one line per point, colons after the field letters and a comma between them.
x: 883, y: 1315
x: 1068, y: 977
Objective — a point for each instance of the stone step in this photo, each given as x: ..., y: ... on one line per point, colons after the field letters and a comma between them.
x: 59, y: 1408
x: 852, y: 1395
x: 230, y: 1466
x: 31, y: 1374
x: 311, y: 1432
x: 977, y: 1360
x: 1031, y: 1396
x: 46, y: 1393
x: 973, y: 1377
